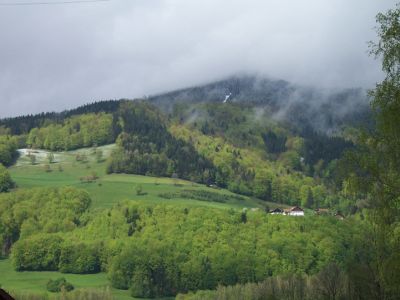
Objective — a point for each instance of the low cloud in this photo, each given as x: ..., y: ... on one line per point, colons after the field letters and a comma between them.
x: 60, y: 56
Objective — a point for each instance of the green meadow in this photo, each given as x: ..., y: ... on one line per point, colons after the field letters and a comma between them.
x: 109, y: 189
x: 35, y: 282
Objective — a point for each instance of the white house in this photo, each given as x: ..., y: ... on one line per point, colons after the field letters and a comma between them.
x: 295, y: 211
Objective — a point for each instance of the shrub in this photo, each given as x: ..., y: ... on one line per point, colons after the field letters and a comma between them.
x: 139, y: 190
x: 6, y: 182
x: 37, y: 253
x: 79, y: 259
x: 58, y: 285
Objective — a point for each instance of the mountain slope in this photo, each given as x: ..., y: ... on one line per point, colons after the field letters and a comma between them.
x: 323, y: 110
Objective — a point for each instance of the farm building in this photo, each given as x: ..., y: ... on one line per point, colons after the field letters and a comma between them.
x: 295, y: 211
x: 276, y: 211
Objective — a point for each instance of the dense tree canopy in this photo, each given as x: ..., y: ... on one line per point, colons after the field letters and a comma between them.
x: 159, y: 250
x: 147, y: 147
x: 26, y: 212
x: 6, y: 182
x: 24, y: 124
x: 75, y: 132
x: 375, y: 168
x: 8, y: 147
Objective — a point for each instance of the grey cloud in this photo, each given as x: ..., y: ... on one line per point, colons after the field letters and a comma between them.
x: 57, y: 57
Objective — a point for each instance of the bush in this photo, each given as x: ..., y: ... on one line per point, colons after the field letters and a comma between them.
x: 37, y: 253
x: 58, y: 285
x: 139, y: 190
x: 79, y: 259
x: 6, y: 182
x: 141, y: 286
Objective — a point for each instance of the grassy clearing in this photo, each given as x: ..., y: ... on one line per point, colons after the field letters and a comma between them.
x: 109, y: 189
x: 35, y: 282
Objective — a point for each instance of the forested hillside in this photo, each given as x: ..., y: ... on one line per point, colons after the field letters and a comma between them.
x: 322, y: 110
x: 156, y: 249
x: 147, y: 147
x: 222, y: 182
x: 151, y: 248
x: 232, y: 145
x: 24, y: 124
x: 142, y: 249
x: 70, y: 209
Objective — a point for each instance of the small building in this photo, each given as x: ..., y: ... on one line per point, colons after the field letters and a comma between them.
x: 276, y: 211
x: 295, y: 211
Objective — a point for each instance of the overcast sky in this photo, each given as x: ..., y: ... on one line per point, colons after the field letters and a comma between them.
x: 54, y: 57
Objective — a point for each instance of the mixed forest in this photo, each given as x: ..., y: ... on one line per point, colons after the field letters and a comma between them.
x: 214, y: 159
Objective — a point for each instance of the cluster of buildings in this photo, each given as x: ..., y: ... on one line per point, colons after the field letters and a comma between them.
x: 297, y: 211
x: 293, y: 211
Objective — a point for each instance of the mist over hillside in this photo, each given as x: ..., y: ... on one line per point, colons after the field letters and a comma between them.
x: 302, y: 108
x: 325, y: 110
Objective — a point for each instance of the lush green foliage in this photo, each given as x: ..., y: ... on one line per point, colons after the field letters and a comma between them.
x: 31, y: 285
x: 6, y: 182
x: 27, y: 212
x: 189, y: 243
x: 141, y: 246
x: 59, y: 285
x: 80, y: 258
x: 24, y: 124
x: 330, y: 283
x: 146, y: 147
x: 249, y: 126
x: 75, y: 132
x: 202, y: 195
x: 8, y: 147
x: 37, y: 253
x: 245, y: 171
x: 220, y: 247
x: 375, y: 168
x: 109, y: 189
x: 255, y: 155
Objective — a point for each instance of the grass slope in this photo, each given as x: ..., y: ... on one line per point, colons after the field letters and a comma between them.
x: 110, y: 188
x: 35, y: 282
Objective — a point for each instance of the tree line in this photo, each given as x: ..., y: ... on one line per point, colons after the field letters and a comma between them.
x: 373, y: 171
x: 24, y: 124
x: 160, y: 250
x: 75, y: 132
x: 332, y: 282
